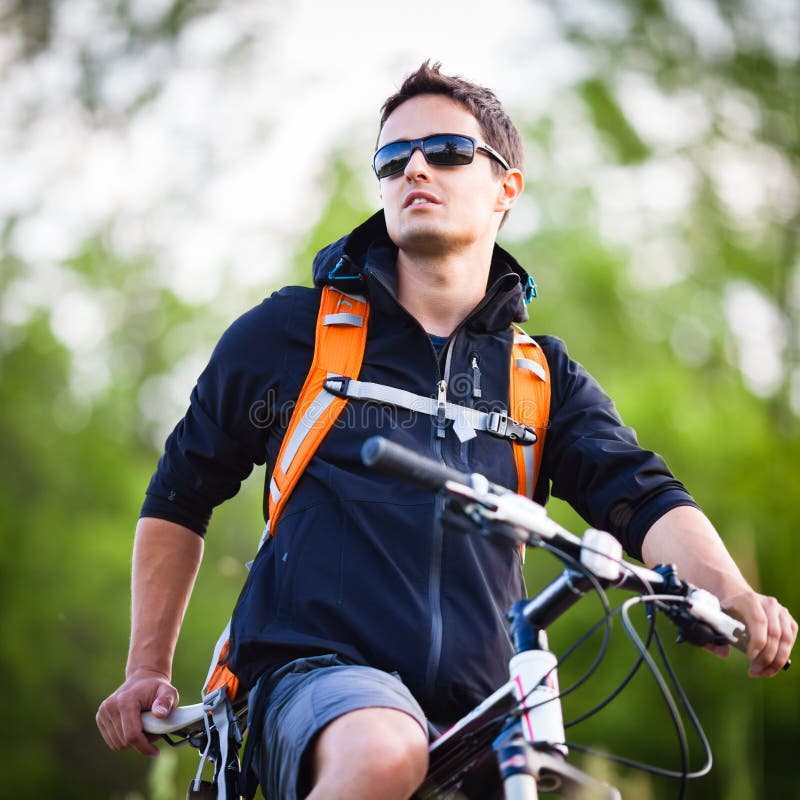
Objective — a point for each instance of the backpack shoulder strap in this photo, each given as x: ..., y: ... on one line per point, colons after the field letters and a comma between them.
x: 341, y: 338
x: 530, y: 405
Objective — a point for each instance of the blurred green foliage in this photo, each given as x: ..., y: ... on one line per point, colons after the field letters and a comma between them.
x: 73, y: 466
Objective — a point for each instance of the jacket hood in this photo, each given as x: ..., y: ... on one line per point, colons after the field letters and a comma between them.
x: 342, y: 264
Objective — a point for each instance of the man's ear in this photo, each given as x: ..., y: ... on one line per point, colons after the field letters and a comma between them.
x: 509, y: 190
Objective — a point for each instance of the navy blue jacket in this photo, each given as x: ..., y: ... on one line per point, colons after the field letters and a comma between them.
x: 359, y: 564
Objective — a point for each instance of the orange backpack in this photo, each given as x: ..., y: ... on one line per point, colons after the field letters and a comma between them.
x: 340, y: 342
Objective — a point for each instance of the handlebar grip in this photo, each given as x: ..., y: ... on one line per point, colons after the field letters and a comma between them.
x: 705, y: 607
x: 400, y: 462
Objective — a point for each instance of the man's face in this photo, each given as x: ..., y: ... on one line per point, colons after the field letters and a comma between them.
x: 438, y: 210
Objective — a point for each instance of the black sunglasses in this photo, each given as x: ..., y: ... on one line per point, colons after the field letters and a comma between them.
x: 439, y: 149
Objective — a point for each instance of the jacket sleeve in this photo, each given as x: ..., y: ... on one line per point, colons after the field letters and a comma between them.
x: 223, y: 434
x: 594, y: 462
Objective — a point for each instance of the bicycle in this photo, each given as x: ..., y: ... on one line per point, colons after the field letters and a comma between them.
x: 522, y: 721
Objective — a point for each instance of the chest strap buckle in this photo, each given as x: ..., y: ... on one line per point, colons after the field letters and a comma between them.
x: 499, y: 424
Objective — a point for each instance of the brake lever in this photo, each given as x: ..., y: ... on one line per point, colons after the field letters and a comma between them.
x: 465, y: 513
x: 694, y: 631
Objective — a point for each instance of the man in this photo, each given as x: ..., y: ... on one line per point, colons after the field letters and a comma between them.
x: 362, y: 620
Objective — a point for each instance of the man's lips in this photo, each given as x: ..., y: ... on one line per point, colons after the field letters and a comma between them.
x: 421, y: 198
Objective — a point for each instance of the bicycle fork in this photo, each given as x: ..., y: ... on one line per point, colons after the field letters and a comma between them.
x: 532, y: 755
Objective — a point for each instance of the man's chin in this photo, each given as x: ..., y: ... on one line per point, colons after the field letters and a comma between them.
x: 428, y: 239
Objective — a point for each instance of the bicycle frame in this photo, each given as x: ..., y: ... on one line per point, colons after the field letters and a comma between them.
x: 528, y: 746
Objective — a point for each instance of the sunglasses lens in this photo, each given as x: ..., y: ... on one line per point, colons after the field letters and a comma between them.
x: 391, y: 158
x: 449, y: 150
x: 441, y: 149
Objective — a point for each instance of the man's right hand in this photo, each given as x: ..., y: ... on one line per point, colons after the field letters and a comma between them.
x: 166, y: 557
x: 119, y: 718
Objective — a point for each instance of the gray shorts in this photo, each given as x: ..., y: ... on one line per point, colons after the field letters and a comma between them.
x: 291, y: 706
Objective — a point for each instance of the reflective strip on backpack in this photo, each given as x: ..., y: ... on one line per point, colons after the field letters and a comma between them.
x: 528, y: 456
x: 274, y: 491
x: 306, y: 424
x: 532, y: 366
x: 343, y: 319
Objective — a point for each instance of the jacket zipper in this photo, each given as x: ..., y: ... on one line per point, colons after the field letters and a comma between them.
x: 474, y: 365
x: 437, y: 544
x: 441, y: 408
x: 437, y: 534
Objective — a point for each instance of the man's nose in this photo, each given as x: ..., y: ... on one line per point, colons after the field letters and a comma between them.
x: 417, y: 165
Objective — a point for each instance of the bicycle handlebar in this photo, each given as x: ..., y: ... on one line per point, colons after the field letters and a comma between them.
x: 527, y: 522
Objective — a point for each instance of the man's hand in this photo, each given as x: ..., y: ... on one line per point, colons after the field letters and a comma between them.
x: 771, y: 627
x: 685, y: 537
x: 166, y: 557
x: 120, y: 715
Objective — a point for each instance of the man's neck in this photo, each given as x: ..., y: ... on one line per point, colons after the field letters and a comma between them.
x: 440, y: 291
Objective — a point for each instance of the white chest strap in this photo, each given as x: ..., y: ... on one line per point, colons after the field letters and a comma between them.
x: 466, y: 421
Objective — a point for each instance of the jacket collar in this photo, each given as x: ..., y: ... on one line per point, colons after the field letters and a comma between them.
x: 368, y: 251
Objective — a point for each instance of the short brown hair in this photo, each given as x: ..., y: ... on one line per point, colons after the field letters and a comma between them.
x: 498, y: 129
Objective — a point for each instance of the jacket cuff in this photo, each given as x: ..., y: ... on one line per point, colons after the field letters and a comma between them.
x: 645, y: 518
x: 161, y: 508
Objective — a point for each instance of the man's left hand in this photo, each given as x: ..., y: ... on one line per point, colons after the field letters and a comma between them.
x: 772, y: 630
